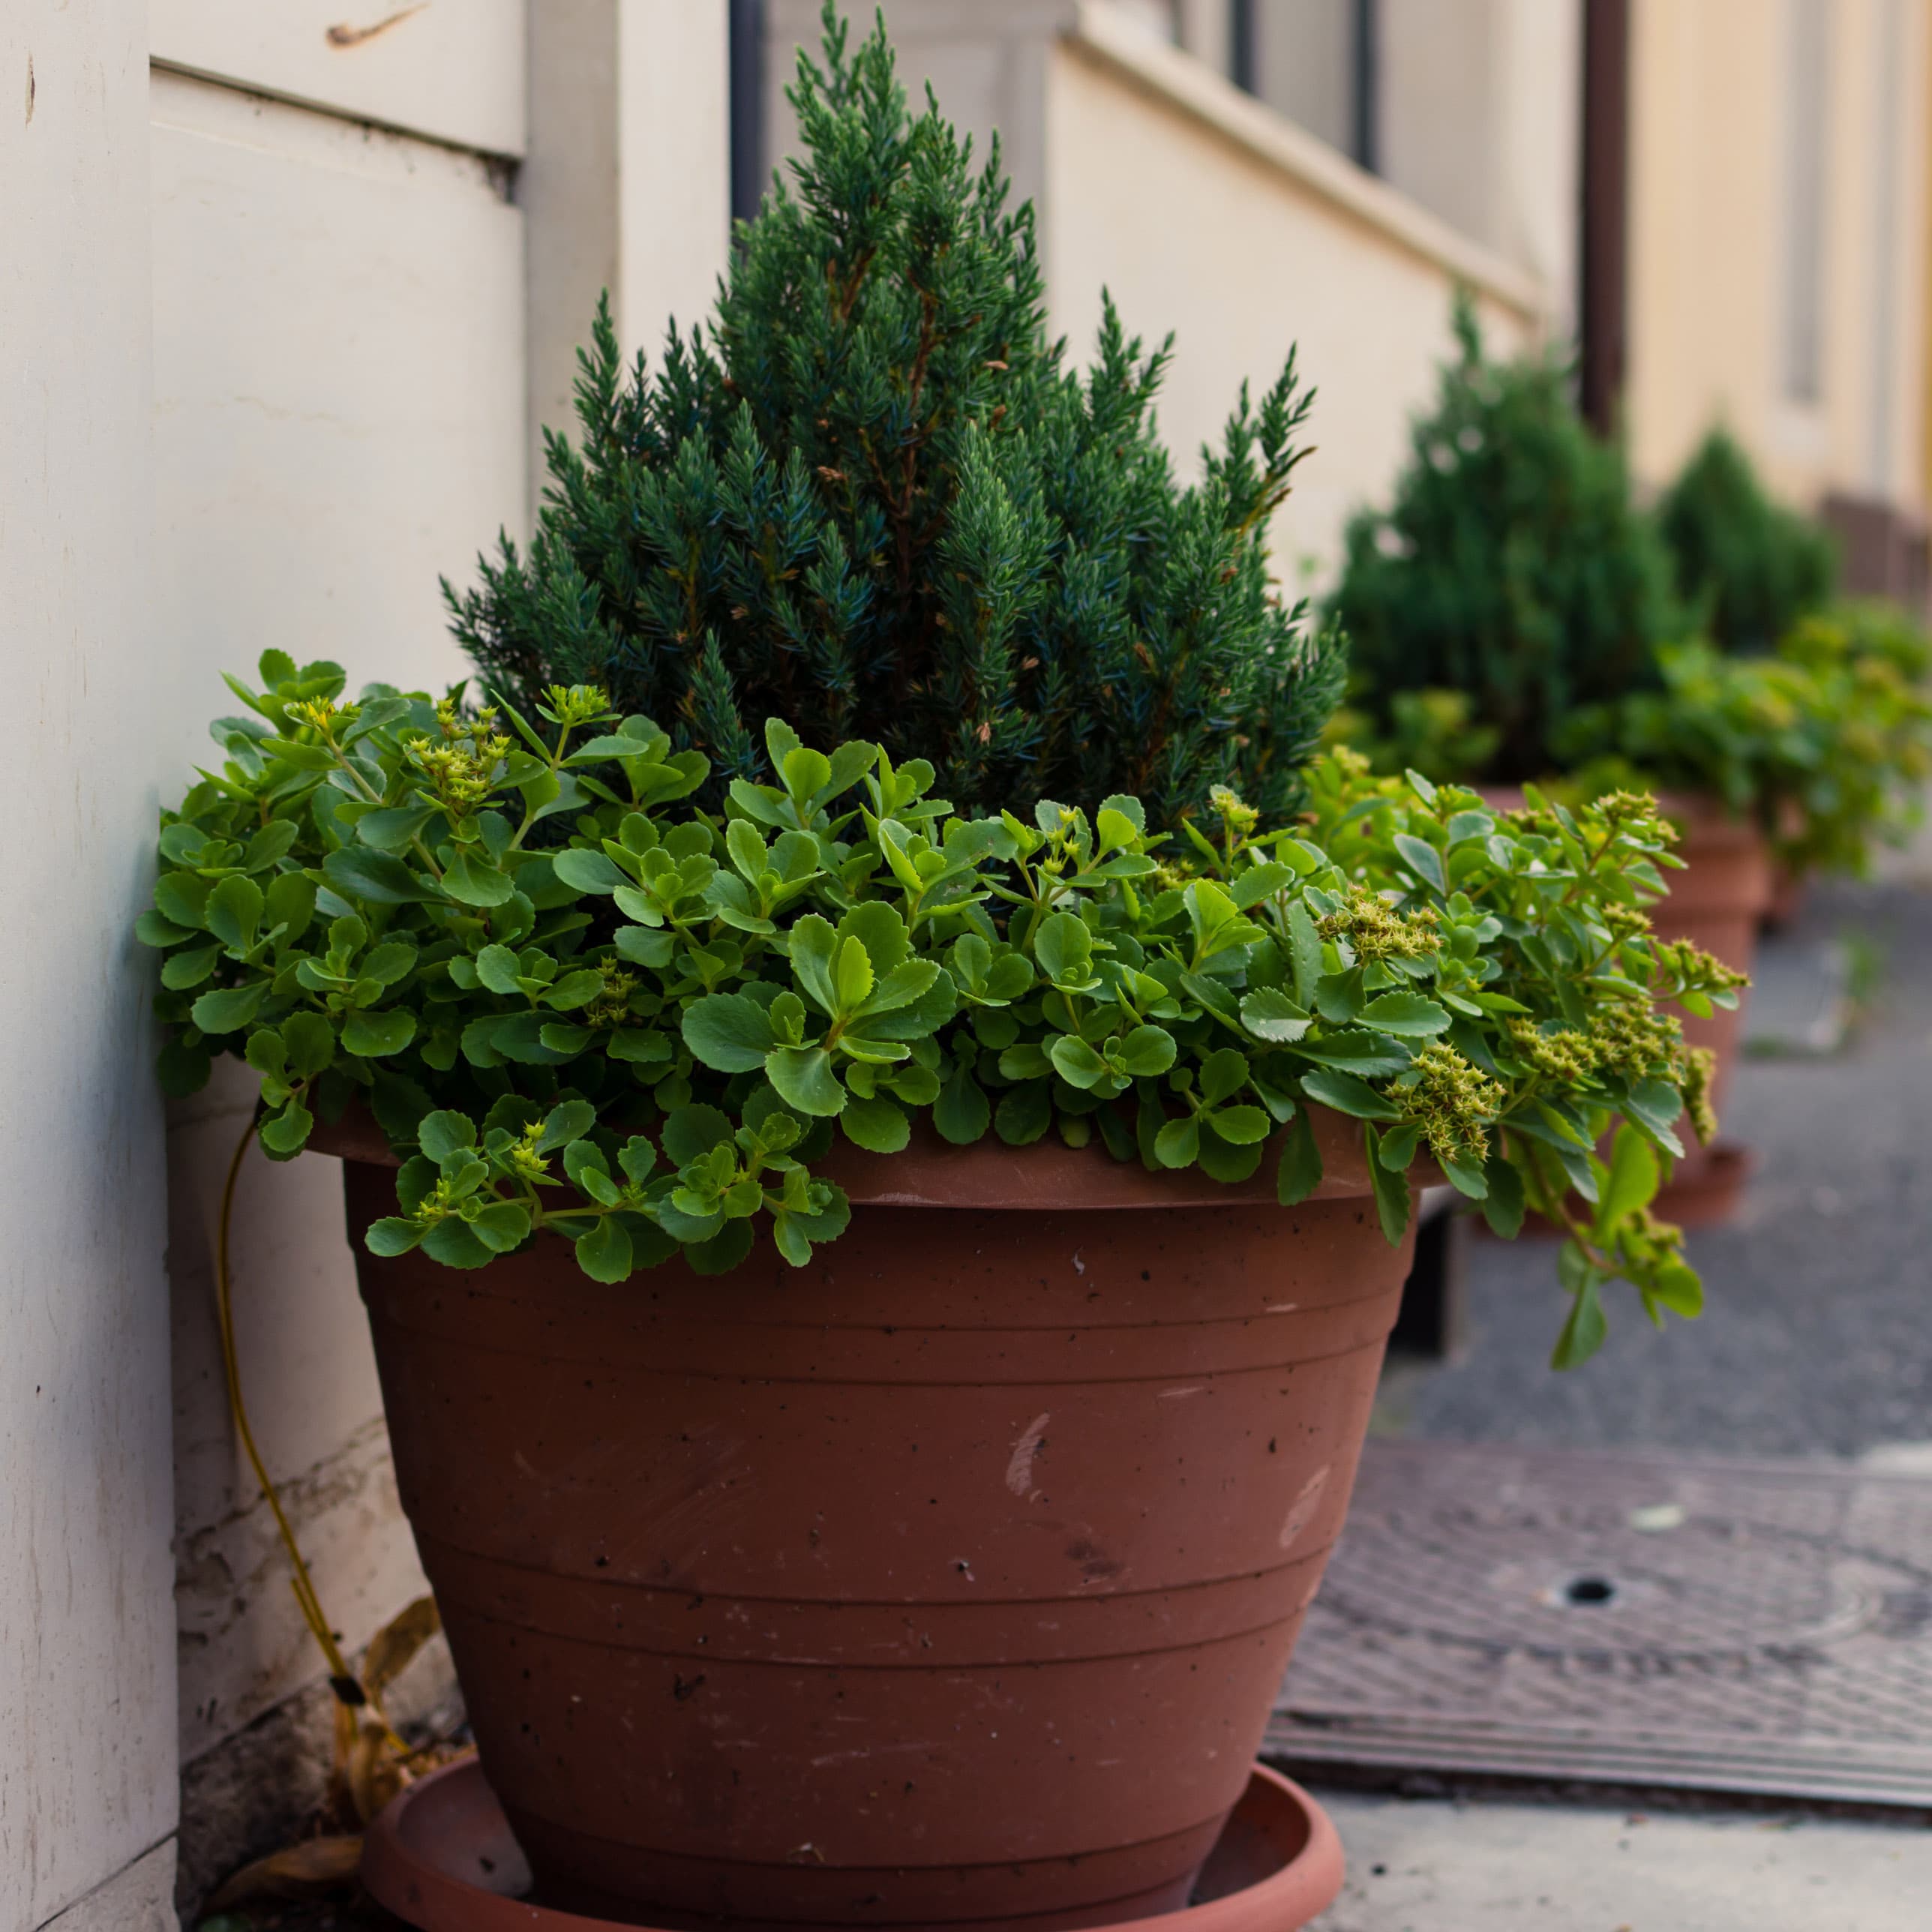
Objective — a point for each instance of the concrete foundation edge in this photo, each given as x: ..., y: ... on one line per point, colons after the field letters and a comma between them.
x: 140, y: 1897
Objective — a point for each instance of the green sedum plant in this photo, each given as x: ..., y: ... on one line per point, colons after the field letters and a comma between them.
x: 1825, y: 742
x: 582, y: 1004
x: 872, y: 498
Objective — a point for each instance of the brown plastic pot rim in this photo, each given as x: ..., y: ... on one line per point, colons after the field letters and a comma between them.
x: 1698, y: 813
x: 1727, y: 861
x: 427, y: 1854
x: 988, y: 1174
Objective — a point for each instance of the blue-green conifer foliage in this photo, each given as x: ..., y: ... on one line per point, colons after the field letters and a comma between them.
x: 872, y: 498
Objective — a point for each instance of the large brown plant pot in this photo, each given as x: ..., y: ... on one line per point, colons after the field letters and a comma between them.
x: 947, y: 1580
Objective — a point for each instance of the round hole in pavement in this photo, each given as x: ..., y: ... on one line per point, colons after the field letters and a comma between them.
x: 1589, y: 1590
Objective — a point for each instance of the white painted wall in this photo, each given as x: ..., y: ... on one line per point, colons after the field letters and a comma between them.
x: 338, y: 376
x: 627, y: 184
x: 267, y: 374
x: 454, y: 74
x: 354, y: 326
x: 87, y: 1690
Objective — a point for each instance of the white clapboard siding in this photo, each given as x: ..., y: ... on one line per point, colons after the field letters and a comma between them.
x: 339, y: 407
x: 338, y: 386
x: 450, y: 70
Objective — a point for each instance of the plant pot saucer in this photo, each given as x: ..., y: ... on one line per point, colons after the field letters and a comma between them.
x: 442, y: 1857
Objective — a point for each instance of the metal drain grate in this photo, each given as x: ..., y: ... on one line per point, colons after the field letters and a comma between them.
x: 1636, y: 1619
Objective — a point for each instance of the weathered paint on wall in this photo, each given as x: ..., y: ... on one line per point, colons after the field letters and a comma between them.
x: 139, y: 1898
x: 338, y: 344
x: 454, y: 74
x: 87, y: 1692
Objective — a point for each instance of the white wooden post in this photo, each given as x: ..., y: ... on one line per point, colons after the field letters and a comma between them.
x: 87, y: 1676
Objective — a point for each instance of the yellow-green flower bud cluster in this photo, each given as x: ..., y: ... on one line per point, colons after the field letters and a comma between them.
x: 1680, y: 959
x: 1700, y: 1070
x: 612, y: 1006
x: 1452, y: 1101
x: 524, y: 1157
x: 461, y: 771
x: 1376, y: 931
x: 1238, y: 818
x: 1561, y: 1053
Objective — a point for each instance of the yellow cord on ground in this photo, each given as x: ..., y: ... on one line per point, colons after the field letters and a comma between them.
x: 347, y: 1686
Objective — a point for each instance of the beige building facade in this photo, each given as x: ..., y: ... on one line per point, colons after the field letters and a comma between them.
x: 1772, y: 181
x: 288, y: 297
x: 1778, y: 225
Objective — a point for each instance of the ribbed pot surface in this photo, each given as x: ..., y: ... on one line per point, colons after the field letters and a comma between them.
x: 949, y: 1578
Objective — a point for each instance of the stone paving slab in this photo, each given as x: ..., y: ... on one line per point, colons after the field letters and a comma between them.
x: 1437, y: 1865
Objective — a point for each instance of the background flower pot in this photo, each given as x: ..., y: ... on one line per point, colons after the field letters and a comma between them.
x: 1718, y: 901
x: 948, y: 1579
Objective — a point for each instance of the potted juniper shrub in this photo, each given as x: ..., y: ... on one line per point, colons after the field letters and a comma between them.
x: 1515, y: 622
x: 1759, y: 581
x: 1748, y: 568
x: 880, y: 1080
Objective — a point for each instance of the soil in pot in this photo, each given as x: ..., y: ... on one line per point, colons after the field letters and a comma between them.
x: 949, y: 1578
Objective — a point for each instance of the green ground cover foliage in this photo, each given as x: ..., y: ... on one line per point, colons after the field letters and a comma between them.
x: 647, y: 1038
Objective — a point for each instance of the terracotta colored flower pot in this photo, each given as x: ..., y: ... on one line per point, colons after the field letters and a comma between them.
x: 947, y: 1579
x: 1718, y: 902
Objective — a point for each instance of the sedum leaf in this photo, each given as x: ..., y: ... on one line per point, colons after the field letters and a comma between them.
x: 804, y: 1079
x: 728, y: 1031
x: 1269, y: 1014
x: 1346, y: 1094
x: 1299, y: 1172
x: 374, y: 1036
x: 1408, y: 1014
x: 1391, y: 1191
x: 229, y: 1008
